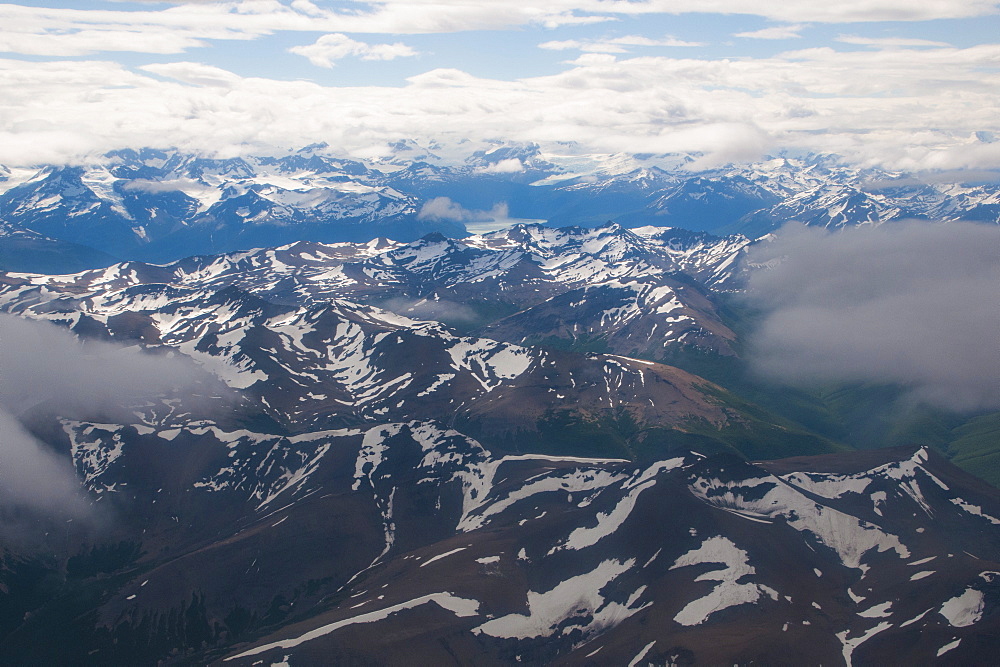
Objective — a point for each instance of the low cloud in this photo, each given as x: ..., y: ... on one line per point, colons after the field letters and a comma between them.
x: 179, y: 184
x: 443, y: 208
x: 957, y: 176
x: 449, y: 312
x: 45, y: 368
x: 34, y: 477
x: 509, y: 166
x: 914, y: 304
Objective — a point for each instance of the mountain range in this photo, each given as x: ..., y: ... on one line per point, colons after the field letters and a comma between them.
x: 475, y: 451
x: 159, y: 206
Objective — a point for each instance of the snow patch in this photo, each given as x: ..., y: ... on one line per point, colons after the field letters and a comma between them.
x: 965, y: 609
x: 461, y: 607
x: 577, y: 599
x: 729, y: 593
x: 440, y: 556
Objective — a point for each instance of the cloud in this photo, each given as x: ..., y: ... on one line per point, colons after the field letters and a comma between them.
x: 443, y: 208
x: 904, y: 108
x: 34, y: 478
x: 44, y: 368
x: 615, y: 44
x: 776, y: 32
x: 85, y: 42
x: 43, y: 31
x: 182, y: 26
x: 328, y: 48
x: 509, y: 166
x: 956, y: 176
x: 449, y: 312
x: 914, y: 304
x: 195, y: 74
x: 888, y: 42
x: 188, y: 186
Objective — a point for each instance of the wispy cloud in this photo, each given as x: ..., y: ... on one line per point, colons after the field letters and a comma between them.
x: 443, y: 208
x: 775, y: 32
x: 614, y: 44
x: 888, y: 42
x: 329, y: 48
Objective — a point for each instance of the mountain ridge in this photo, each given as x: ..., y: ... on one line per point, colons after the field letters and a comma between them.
x: 160, y: 205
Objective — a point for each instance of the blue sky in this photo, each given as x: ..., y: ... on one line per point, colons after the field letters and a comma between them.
x: 891, y: 82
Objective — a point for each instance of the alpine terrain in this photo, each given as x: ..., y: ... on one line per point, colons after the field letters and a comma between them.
x: 488, y: 449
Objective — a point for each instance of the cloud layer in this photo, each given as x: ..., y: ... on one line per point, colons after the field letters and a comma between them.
x: 914, y: 304
x: 900, y: 101
x: 912, y: 108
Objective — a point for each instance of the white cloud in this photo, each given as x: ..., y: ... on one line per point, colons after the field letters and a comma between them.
x: 888, y: 42
x: 508, y: 166
x: 329, y: 48
x: 638, y: 40
x: 195, y: 74
x: 613, y: 45
x: 44, y: 366
x: 913, y: 108
x: 821, y: 11
x: 443, y: 208
x: 776, y: 32
x: 185, y: 25
x: 177, y: 185
x: 85, y: 42
x: 76, y: 32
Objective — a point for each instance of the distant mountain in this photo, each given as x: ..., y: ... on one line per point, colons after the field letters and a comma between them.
x: 155, y: 205
x: 25, y: 251
x: 160, y: 206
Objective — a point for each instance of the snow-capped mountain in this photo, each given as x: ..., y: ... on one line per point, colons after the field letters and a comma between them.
x: 154, y: 204
x: 631, y: 291
x: 163, y: 205
x: 298, y: 332
x: 462, y: 450
x: 412, y: 543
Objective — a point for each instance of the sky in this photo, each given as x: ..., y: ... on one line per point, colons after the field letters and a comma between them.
x: 902, y: 84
